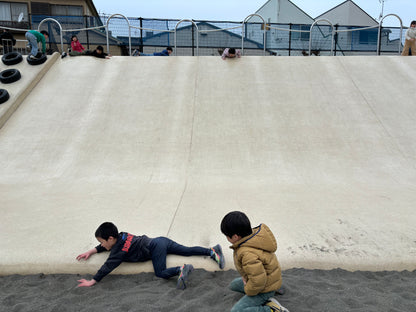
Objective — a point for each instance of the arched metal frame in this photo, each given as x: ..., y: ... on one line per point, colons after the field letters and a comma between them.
x: 332, y: 34
x: 60, y: 29
x: 106, y: 31
x: 242, y: 35
x: 379, y: 33
x: 197, y: 34
x: 243, y: 32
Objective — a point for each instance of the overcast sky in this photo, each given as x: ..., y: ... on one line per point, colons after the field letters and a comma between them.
x: 238, y: 10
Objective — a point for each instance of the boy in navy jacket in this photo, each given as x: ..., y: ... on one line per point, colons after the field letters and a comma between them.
x: 125, y: 247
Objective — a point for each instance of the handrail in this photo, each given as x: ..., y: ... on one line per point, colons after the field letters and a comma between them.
x: 60, y: 29
x: 242, y: 26
x: 243, y: 32
x: 197, y: 33
x: 106, y: 31
x: 379, y: 33
x: 332, y: 35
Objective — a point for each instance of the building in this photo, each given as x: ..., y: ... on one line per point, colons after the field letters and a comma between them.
x: 71, y: 14
x: 348, y: 16
x: 288, y: 29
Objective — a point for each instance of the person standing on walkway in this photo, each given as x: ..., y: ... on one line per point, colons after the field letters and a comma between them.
x: 410, y: 42
x: 34, y: 37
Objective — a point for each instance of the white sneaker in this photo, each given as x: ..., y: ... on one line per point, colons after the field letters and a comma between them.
x: 275, y: 306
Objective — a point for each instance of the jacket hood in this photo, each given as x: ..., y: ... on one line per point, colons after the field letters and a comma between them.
x: 261, y: 238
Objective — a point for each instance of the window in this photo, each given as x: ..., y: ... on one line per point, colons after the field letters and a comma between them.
x: 304, y: 36
x: 66, y: 10
x: 11, y: 11
x: 368, y: 36
x: 40, y: 8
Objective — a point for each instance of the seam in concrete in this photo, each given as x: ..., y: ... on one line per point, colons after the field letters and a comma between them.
x: 190, y: 149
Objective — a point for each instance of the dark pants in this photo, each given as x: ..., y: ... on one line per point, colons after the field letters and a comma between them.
x: 160, y: 247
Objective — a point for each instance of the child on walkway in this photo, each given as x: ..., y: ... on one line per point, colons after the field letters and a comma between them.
x: 410, y: 42
x: 76, y: 45
x: 98, y: 52
x: 168, y: 51
x: 256, y: 261
x: 230, y: 53
x: 125, y: 247
x: 34, y: 37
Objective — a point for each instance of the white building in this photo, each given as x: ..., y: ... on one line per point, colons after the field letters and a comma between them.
x: 348, y: 14
x: 282, y: 12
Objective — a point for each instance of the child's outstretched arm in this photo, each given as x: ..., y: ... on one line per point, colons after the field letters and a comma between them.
x: 86, y: 283
x: 87, y: 254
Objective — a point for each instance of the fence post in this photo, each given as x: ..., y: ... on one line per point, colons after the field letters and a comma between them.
x: 193, y: 38
x: 88, y: 37
x: 290, y: 37
x: 141, y: 34
x: 336, y: 39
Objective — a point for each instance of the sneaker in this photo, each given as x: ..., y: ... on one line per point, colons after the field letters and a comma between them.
x: 217, y: 256
x: 136, y: 53
x: 275, y: 306
x: 186, y: 269
x: 32, y: 57
x: 63, y: 54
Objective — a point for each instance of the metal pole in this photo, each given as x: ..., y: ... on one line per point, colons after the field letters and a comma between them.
x: 106, y: 31
x: 379, y: 33
x: 60, y: 29
x: 244, y: 32
x: 332, y: 35
x: 197, y: 31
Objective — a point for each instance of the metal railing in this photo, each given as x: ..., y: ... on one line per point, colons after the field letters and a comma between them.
x: 332, y: 34
x: 243, y: 25
x: 379, y: 32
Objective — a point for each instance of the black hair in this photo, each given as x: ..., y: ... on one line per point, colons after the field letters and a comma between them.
x: 72, y: 37
x: 236, y: 222
x: 231, y: 50
x: 413, y: 23
x: 169, y: 49
x: 44, y: 32
x: 106, y: 230
x: 100, y: 48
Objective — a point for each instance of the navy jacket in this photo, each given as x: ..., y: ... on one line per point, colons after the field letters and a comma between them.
x: 128, y: 248
x: 163, y: 53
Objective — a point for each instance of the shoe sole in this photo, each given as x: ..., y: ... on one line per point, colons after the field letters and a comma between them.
x: 222, y: 260
x: 282, y: 308
x: 181, y: 284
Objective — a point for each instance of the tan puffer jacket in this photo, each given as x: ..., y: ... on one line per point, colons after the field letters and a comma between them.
x: 256, y: 261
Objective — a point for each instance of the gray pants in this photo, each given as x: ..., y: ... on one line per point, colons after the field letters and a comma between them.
x: 249, y: 303
x: 33, y: 43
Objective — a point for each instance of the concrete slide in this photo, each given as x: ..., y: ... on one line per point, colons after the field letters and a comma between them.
x: 321, y: 149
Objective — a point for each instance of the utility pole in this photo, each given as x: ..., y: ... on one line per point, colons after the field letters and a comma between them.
x: 382, y: 10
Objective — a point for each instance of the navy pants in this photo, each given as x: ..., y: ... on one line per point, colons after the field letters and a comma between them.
x: 160, y: 247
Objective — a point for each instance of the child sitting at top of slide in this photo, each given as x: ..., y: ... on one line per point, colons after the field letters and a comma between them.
x: 125, y: 247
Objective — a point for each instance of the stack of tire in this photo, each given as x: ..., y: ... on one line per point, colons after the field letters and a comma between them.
x: 9, y: 75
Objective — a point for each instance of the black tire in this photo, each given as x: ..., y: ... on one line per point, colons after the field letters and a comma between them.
x: 12, y: 58
x: 37, y: 61
x: 4, y: 96
x: 10, y: 75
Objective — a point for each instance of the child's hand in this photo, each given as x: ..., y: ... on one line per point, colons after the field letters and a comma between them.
x: 85, y: 283
x: 84, y: 255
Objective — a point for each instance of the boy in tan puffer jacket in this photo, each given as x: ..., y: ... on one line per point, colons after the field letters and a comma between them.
x: 256, y: 261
